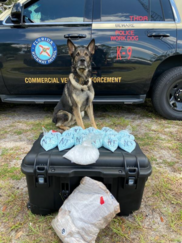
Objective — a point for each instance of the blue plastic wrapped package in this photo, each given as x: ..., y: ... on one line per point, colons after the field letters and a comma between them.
x: 79, y: 138
x: 50, y: 139
x: 108, y: 130
x: 127, y: 144
x: 76, y: 129
x: 91, y: 130
x: 97, y: 142
x: 85, y: 132
x: 55, y: 133
x: 110, y: 142
x: 126, y: 133
x: 69, y: 134
x: 97, y: 131
x: 97, y: 139
x: 65, y: 143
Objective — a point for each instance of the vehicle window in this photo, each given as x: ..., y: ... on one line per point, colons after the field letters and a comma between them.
x: 8, y: 20
x: 135, y: 10
x: 156, y: 11
x: 125, y: 10
x: 168, y: 13
x: 54, y: 11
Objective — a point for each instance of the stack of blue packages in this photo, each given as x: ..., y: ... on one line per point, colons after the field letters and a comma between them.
x: 123, y: 139
x: 107, y: 137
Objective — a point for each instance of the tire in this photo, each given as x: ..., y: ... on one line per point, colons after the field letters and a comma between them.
x: 167, y: 94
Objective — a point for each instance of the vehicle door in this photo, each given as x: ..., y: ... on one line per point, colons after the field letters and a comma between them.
x: 35, y: 55
x: 132, y: 37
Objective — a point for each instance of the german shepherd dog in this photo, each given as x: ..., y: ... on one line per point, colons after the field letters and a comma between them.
x: 78, y: 93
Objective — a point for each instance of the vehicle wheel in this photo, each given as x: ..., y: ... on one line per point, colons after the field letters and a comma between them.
x: 167, y: 94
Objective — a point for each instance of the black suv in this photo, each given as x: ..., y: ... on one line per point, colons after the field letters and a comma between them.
x: 138, y: 50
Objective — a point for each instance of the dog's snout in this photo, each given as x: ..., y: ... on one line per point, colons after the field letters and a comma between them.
x: 82, y: 59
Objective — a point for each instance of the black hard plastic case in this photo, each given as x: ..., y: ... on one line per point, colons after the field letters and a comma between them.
x: 51, y: 178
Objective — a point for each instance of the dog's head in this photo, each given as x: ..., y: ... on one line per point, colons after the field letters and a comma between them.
x: 81, y: 57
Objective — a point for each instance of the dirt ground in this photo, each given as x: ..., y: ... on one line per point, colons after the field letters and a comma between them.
x: 160, y: 217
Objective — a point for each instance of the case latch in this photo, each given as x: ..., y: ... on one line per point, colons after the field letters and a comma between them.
x: 41, y: 174
x: 132, y: 175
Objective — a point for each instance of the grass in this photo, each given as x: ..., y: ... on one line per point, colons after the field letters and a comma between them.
x: 146, y: 139
x: 169, y: 163
x: 10, y: 173
x: 36, y: 126
x: 160, y: 217
x: 180, y: 148
x: 10, y: 153
x: 175, y: 219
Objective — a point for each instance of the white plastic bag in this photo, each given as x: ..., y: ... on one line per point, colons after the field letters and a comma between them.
x: 87, y: 210
x: 83, y: 154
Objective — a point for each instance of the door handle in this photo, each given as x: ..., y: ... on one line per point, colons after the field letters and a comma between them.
x: 75, y: 36
x: 155, y: 34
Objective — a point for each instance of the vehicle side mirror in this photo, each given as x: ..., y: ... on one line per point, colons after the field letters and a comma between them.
x: 16, y: 13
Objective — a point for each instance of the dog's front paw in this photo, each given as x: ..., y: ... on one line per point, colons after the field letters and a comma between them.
x: 84, y: 88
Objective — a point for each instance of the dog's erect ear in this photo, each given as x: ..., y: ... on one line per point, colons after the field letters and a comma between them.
x: 91, y: 46
x: 71, y: 46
